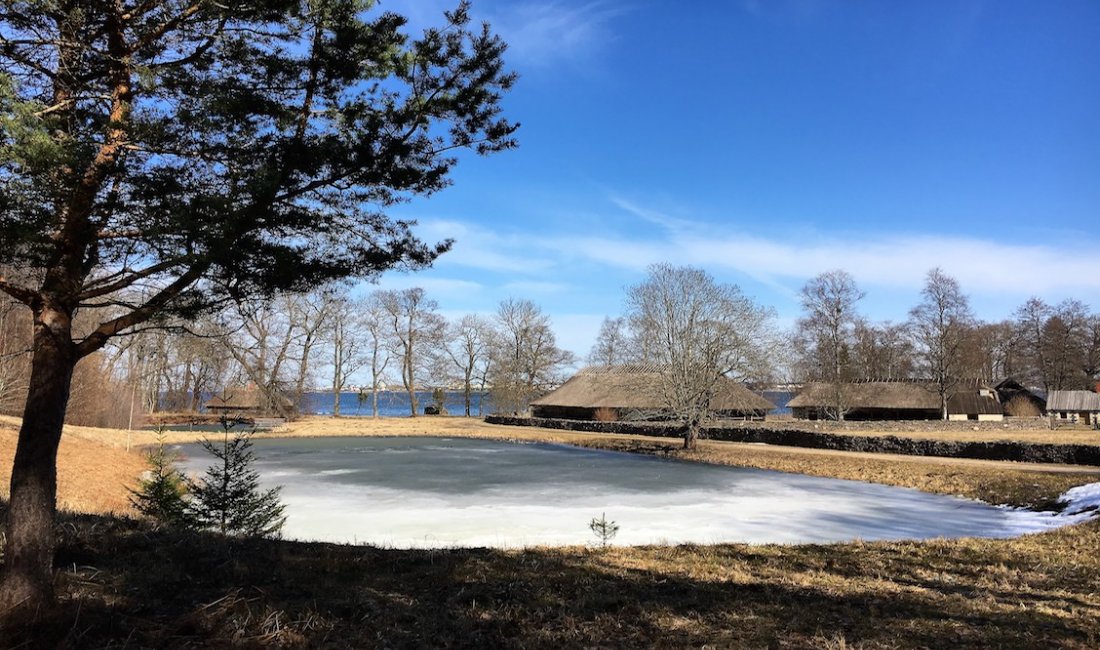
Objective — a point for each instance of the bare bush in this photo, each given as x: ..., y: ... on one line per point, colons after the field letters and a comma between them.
x: 606, y: 414
x: 1022, y: 407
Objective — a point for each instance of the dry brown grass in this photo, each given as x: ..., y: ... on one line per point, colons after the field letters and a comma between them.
x: 135, y: 587
x: 90, y: 477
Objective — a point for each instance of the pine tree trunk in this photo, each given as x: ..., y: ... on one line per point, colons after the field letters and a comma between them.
x: 27, y: 582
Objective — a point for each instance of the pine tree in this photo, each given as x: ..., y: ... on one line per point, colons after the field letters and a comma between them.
x: 229, y: 499
x: 158, y: 158
x: 162, y: 496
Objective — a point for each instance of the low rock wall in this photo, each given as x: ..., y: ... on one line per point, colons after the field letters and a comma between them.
x: 791, y: 437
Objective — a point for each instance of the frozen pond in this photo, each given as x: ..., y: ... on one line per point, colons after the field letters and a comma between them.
x: 420, y: 491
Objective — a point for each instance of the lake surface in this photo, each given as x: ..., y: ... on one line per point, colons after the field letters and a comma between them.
x: 434, y: 492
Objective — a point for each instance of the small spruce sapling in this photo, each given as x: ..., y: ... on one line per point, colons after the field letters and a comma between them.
x: 163, y: 494
x: 603, y: 529
x: 229, y: 499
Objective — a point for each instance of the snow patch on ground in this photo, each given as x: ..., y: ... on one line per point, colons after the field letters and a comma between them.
x: 1082, y: 501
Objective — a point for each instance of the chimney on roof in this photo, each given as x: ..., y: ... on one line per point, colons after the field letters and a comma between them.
x: 1096, y: 388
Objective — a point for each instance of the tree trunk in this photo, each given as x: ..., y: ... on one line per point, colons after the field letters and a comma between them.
x: 691, y: 434
x: 27, y: 583
x: 466, y: 390
x: 335, y: 402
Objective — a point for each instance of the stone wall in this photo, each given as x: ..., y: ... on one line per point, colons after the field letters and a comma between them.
x: 907, y: 426
x: 772, y: 434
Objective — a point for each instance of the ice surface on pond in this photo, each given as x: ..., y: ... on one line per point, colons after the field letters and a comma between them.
x: 434, y: 492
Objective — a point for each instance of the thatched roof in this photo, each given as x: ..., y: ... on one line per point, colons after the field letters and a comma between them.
x: 910, y: 395
x: 870, y: 395
x: 630, y: 387
x: 1073, y: 400
x: 242, y: 398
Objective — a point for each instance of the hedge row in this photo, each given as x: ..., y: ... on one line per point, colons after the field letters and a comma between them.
x: 993, y: 450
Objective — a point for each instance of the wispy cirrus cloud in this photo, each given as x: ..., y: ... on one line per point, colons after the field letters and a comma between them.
x: 880, y: 259
x: 539, y: 33
x: 545, y: 33
x: 481, y: 248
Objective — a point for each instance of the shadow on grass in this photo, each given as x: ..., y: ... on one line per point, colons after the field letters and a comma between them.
x: 124, y: 584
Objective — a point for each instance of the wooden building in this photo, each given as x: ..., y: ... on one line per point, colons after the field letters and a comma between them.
x: 248, y: 402
x: 633, y: 393
x: 1080, y: 405
x: 896, y: 400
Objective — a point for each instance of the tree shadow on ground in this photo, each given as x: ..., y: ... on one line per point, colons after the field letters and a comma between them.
x: 125, y: 584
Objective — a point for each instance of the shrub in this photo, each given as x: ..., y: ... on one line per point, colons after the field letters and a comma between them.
x: 1022, y: 406
x: 606, y: 414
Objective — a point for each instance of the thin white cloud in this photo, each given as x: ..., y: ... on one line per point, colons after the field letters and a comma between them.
x: 544, y: 33
x: 484, y: 249
x: 654, y: 216
x: 885, y: 260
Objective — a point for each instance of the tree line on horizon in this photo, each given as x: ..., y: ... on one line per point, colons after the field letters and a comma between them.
x: 287, y: 345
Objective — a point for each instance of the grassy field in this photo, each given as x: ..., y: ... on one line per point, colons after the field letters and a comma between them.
x: 126, y: 583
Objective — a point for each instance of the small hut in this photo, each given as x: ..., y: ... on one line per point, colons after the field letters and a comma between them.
x: 896, y: 400
x: 632, y: 392
x: 247, y: 402
x: 1076, y: 405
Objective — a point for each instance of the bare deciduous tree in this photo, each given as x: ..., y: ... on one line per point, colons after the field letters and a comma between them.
x: 939, y: 325
x: 827, y: 330
x: 1055, y: 343
x: 612, y: 345
x: 526, y: 359
x: 349, y: 341
x: 417, y: 333
x: 376, y: 335
x: 469, y: 343
x: 883, y: 351
x: 697, y: 333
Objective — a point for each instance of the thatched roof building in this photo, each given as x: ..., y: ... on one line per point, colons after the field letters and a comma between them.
x: 631, y: 392
x: 1083, y: 405
x: 248, y: 401
x: 895, y: 400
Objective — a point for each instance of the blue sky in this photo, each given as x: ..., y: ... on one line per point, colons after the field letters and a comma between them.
x: 769, y: 141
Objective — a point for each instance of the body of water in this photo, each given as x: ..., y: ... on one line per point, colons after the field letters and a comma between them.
x: 437, y: 492
x: 391, y: 403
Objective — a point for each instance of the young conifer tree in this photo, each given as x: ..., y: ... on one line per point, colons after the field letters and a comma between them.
x: 162, y: 496
x: 229, y: 499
